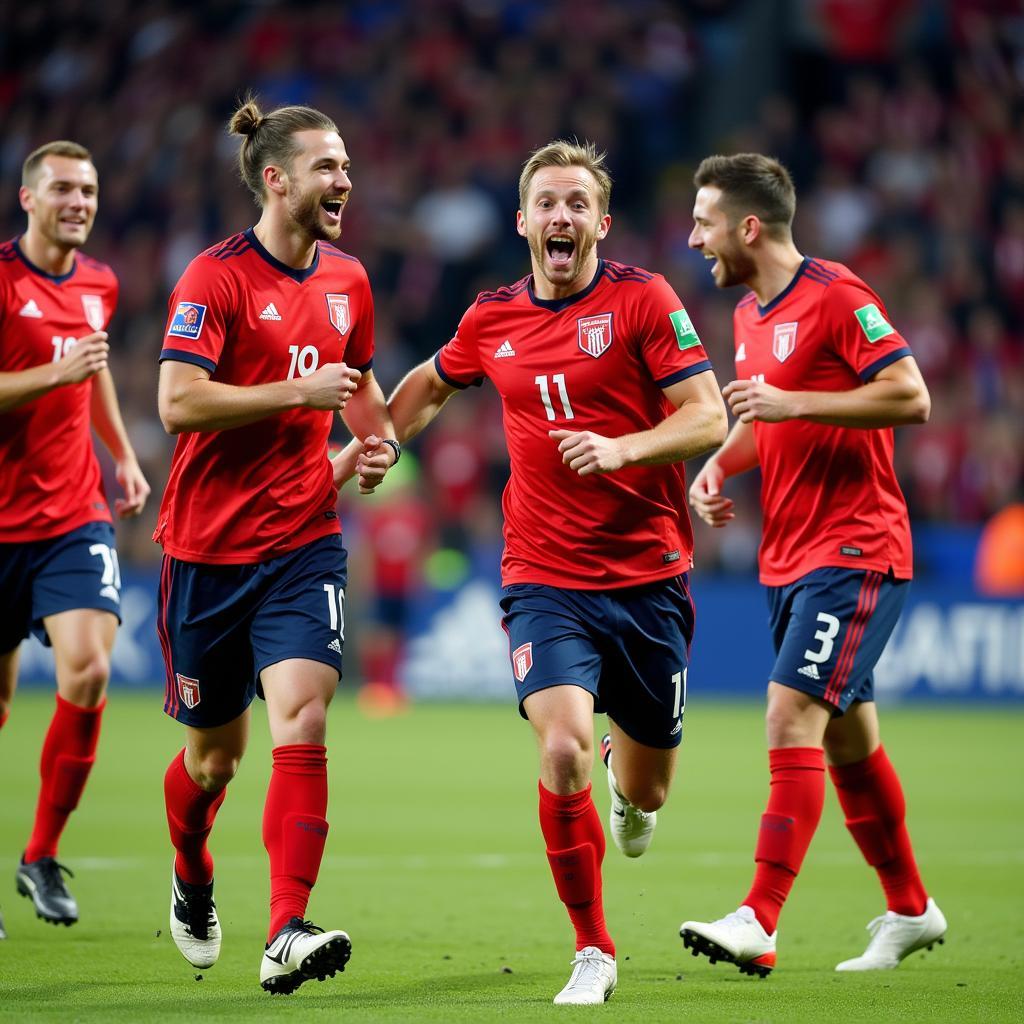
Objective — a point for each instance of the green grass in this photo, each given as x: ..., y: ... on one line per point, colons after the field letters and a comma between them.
x: 435, y: 867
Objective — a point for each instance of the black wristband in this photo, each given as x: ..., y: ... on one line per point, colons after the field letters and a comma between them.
x: 395, y: 446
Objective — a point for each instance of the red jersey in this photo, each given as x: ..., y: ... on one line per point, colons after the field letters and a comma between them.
x: 250, y: 493
x: 50, y: 481
x: 829, y: 494
x: 598, y: 361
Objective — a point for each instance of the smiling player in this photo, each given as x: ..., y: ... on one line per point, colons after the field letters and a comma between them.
x: 270, y: 334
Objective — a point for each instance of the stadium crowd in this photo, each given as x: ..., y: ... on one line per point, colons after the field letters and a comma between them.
x: 905, y: 137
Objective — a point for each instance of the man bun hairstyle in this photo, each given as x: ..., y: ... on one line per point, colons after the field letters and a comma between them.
x: 61, y: 147
x: 568, y: 153
x: 751, y: 183
x: 269, y: 138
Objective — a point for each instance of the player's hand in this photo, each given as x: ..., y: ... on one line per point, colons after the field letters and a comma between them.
x: 706, y: 497
x: 330, y: 387
x: 373, y: 462
x: 133, y: 483
x: 587, y: 452
x: 754, y: 400
x: 85, y: 358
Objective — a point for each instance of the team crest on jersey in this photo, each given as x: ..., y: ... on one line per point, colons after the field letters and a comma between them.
x: 522, y: 661
x: 93, y: 307
x: 188, y: 690
x: 337, y: 306
x: 784, y: 341
x: 187, y: 321
x: 595, y: 334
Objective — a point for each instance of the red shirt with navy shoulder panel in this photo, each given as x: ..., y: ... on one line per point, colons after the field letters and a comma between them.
x: 251, y: 493
x: 596, y: 361
x: 829, y: 494
x: 50, y: 480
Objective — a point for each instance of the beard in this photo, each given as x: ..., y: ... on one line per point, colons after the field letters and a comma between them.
x: 305, y: 211
x: 581, y: 253
x: 734, y: 267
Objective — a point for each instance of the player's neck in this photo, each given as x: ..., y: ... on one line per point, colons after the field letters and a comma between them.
x: 776, y: 268
x: 287, y: 243
x: 547, y: 291
x: 53, y: 259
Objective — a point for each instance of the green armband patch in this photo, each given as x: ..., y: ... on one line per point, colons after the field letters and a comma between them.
x: 686, y: 336
x: 872, y: 323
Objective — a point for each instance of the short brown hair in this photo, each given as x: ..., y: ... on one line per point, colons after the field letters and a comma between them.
x: 268, y: 138
x: 567, y: 153
x: 751, y: 183
x: 61, y: 147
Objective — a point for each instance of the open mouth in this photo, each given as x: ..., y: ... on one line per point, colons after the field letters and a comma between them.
x: 332, y: 207
x: 560, y: 249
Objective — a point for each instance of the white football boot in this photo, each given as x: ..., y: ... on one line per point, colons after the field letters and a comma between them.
x: 300, y: 952
x: 592, y: 981
x: 194, y: 924
x: 895, y: 936
x: 737, y: 938
x: 631, y: 829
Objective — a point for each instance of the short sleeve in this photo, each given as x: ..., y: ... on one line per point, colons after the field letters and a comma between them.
x: 458, y: 362
x: 200, y: 309
x: 862, y: 335
x: 669, y: 344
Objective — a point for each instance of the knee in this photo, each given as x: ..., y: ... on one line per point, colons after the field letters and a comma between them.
x: 304, y: 723
x: 214, y: 769
x: 648, y: 795
x: 85, y: 681
x: 567, y: 758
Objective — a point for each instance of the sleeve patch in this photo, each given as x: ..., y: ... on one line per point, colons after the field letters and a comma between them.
x: 187, y: 321
x: 686, y: 336
x: 872, y: 323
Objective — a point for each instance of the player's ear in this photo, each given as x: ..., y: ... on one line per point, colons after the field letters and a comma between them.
x: 750, y: 229
x: 275, y: 179
x: 521, y: 223
x: 604, y: 226
x: 27, y: 199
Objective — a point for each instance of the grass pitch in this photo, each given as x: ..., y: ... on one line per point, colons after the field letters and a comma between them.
x: 436, y: 868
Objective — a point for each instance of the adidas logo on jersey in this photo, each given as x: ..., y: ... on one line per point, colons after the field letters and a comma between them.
x: 270, y: 312
x: 335, y: 645
x: 504, y: 350
x: 31, y: 309
x: 809, y: 670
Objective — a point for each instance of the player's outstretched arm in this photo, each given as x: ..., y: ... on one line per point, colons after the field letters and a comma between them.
x: 368, y: 454
x: 698, y: 425
x: 895, y: 396
x: 190, y: 402
x: 106, y: 418
x: 737, y: 455
x: 87, y: 356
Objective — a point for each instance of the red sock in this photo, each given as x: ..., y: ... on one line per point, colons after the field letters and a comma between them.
x: 69, y: 751
x: 294, y: 828
x: 872, y: 799
x: 795, y: 802
x: 3, y: 718
x: 190, y: 813
x: 575, y: 846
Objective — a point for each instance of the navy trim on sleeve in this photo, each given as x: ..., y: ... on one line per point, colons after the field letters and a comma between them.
x: 880, y: 364
x: 177, y: 355
x: 364, y: 367
x: 690, y: 371
x: 451, y: 381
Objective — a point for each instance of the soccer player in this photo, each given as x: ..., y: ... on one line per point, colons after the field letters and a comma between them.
x: 270, y: 333
x: 606, y: 389
x: 823, y: 379
x: 58, y: 565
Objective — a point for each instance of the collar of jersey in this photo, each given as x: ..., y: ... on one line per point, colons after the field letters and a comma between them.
x: 55, y: 278
x: 295, y: 275
x: 785, y: 291
x: 557, y: 305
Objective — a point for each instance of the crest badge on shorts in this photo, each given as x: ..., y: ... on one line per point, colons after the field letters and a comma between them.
x: 595, y: 334
x: 188, y: 690
x: 784, y: 341
x: 522, y: 661
x: 93, y: 307
x: 337, y: 307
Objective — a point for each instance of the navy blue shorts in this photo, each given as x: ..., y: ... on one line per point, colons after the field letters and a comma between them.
x: 830, y: 628
x: 628, y: 647
x: 220, y: 626
x: 60, y: 574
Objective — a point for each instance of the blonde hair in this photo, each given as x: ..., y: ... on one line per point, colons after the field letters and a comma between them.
x: 30, y: 169
x: 269, y: 138
x: 568, y: 153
